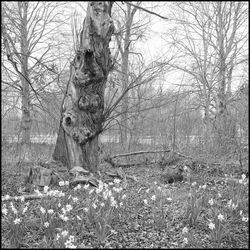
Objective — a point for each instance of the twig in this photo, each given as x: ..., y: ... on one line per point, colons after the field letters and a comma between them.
x: 146, y: 10
x: 140, y: 152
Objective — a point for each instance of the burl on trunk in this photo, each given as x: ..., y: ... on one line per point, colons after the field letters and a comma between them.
x: 83, y: 104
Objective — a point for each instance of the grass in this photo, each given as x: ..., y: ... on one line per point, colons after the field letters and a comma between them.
x: 152, y: 214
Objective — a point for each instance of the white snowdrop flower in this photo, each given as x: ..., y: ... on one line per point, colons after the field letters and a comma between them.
x: 68, y: 244
x: 13, y: 208
x: 185, y: 168
x: 229, y: 203
x: 86, y: 186
x: 204, y: 186
x: 145, y: 202
x: 50, y: 193
x: 17, y: 221
x: 91, y: 191
x: 65, y: 218
x: 71, y: 238
x: 185, y: 230
x: 6, y: 197
x: 5, y: 211
x: 102, y: 204
x: 159, y: 188
x: 116, y: 189
x: 100, y: 185
x: 147, y: 190
x: 66, y: 183
x: 220, y: 217
x: 105, y: 195
x: 111, y: 183
x: 153, y: 198
x: 211, y: 201
x: 61, y: 194
x: 219, y: 195
x: 169, y: 199
x: 45, y: 189
x: 77, y: 187
x: 59, y: 204
x: 46, y: 224
x: 68, y: 207
x: 241, y: 181
x: 123, y: 196
x: 61, y: 183
x: 86, y: 209
x: 193, y: 184
x: 42, y: 210
x: 22, y: 198
x: 234, y: 206
x: 38, y: 192
x: 50, y: 211
x: 57, y: 236
x: 211, y: 225
x: 243, y: 177
x: 117, y: 181
x: 64, y: 210
x: 113, y: 203
x: 75, y: 199
x: 121, y: 204
x: 185, y: 240
x: 64, y: 233
x: 25, y: 209
x: 240, y: 212
x: 94, y: 206
x: 245, y: 219
x: 155, y: 182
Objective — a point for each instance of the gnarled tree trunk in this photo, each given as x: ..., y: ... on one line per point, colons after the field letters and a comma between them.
x: 83, y: 104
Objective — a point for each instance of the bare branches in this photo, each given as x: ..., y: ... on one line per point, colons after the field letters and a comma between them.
x: 146, y: 10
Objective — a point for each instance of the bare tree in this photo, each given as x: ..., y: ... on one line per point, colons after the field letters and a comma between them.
x: 131, y: 68
x: 212, y: 37
x: 26, y: 29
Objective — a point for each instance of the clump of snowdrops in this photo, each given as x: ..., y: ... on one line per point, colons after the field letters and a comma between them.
x: 196, y: 200
x: 59, y: 211
x: 159, y: 203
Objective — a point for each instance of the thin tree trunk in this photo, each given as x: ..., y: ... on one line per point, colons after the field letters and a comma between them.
x: 124, y: 136
x: 83, y: 104
x: 25, y: 94
x: 221, y: 112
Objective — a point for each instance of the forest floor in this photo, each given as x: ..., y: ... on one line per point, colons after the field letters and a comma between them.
x: 210, y: 210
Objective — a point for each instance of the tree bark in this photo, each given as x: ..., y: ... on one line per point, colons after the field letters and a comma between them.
x: 25, y: 94
x: 124, y: 134
x: 83, y: 104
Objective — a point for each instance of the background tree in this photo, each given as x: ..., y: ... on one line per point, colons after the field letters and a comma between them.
x: 212, y: 36
x: 27, y: 28
x: 132, y: 70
